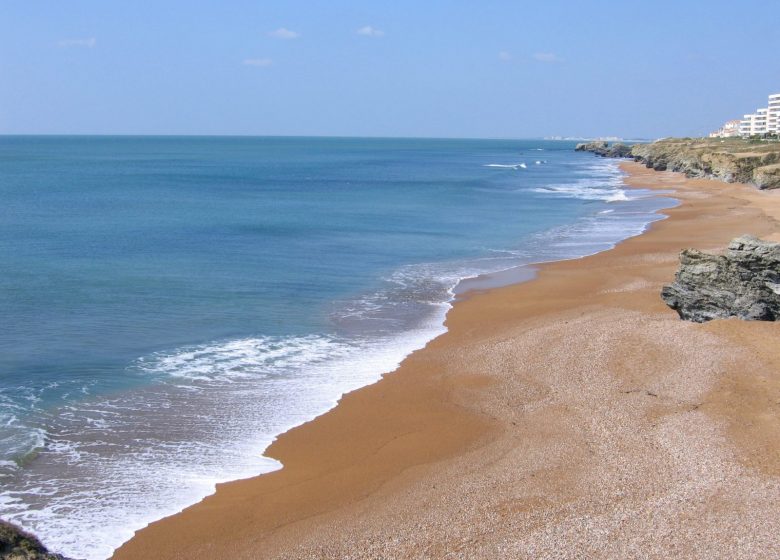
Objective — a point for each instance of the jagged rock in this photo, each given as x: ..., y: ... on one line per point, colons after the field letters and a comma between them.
x: 16, y: 544
x: 744, y: 283
x: 594, y: 146
x: 619, y: 150
x: 603, y: 149
x: 767, y: 177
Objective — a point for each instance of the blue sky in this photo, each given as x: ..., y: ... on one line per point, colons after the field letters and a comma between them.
x: 404, y: 68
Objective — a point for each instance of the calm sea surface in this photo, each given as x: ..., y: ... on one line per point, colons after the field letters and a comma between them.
x: 170, y: 305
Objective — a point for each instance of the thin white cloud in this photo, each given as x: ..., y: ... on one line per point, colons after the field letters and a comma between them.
x: 257, y: 62
x: 369, y: 31
x: 284, y: 33
x: 504, y: 55
x: 547, y: 57
x: 89, y: 43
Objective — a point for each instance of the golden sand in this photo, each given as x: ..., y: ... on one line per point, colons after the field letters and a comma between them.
x: 573, y: 416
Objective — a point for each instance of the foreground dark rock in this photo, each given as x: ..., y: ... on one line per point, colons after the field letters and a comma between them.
x: 744, y: 283
x: 16, y: 544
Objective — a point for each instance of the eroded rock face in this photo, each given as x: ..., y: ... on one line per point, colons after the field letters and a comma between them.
x: 16, y: 544
x: 767, y: 177
x: 732, y: 161
x: 603, y: 149
x: 591, y: 146
x: 744, y: 283
x: 735, y: 161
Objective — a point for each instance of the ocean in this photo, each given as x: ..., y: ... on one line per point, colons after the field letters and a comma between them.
x: 172, y: 304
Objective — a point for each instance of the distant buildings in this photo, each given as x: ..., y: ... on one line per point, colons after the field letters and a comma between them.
x: 753, y: 123
x: 728, y: 130
x: 773, y: 115
x: 586, y: 138
x: 764, y: 121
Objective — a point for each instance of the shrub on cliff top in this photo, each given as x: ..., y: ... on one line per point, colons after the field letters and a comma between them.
x: 16, y: 544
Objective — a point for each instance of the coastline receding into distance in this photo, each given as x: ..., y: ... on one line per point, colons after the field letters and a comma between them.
x: 572, y: 414
x: 389, y: 281
x: 301, y: 321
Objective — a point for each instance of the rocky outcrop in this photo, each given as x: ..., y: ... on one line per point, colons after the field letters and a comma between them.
x: 732, y: 161
x: 744, y: 283
x: 767, y: 176
x: 603, y: 149
x: 16, y: 544
x: 594, y: 146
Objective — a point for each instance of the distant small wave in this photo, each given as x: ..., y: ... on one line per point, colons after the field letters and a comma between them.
x: 584, y: 192
x: 618, y: 196
x: 507, y: 165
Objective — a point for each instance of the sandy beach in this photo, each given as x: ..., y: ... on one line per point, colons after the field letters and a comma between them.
x: 572, y: 416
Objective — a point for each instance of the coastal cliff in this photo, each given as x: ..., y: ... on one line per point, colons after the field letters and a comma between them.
x: 732, y: 160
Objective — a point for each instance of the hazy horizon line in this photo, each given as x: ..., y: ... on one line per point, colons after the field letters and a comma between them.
x: 559, y: 138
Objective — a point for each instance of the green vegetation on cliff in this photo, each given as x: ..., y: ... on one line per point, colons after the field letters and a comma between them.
x: 16, y: 544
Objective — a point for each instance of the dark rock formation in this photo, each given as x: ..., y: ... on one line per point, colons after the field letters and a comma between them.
x: 16, y: 544
x: 744, y: 283
x: 603, y: 149
x: 594, y: 146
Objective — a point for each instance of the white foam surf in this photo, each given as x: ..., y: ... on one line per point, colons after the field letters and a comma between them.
x: 602, y: 181
x: 215, y: 408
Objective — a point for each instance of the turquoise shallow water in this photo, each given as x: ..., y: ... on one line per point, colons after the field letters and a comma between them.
x: 172, y: 304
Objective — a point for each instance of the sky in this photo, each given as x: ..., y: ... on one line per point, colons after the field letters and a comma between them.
x: 460, y: 68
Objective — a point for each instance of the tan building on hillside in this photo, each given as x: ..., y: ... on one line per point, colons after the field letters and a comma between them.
x: 729, y: 130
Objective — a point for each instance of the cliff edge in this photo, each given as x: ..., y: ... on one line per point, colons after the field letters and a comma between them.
x: 732, y: 160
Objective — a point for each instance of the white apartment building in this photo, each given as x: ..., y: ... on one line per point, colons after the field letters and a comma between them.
x: 773, y: 114
x: 754, y: 123
x: 764, y: 120
x: 761, y: 120
x: 747, y: 126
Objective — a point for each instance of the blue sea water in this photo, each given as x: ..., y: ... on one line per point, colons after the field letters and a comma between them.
x: 171, y: 304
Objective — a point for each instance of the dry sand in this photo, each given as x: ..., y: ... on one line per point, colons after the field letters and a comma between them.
x: 573, y: 416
